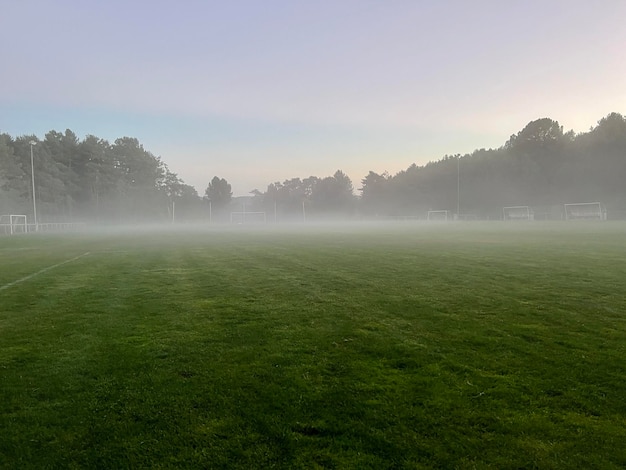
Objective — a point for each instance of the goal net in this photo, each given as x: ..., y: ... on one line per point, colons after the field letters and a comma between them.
x: 584, y: 211
x: 247, y: 218
x: 11, y: 224
x: 439, y: 216
x: 517, y: 213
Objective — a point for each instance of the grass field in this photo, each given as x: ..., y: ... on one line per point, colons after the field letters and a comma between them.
x: 406, y: 346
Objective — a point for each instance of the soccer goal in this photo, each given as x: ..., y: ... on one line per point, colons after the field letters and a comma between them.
x: 438, y: 216
x: 12, y: 224
x: 517, y: 213
x: 241, y: 218
x: 584, y: 211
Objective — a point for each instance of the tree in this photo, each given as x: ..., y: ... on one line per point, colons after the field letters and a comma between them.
x: 218, y: 192
x: 333, y: 194
x: 601, y: 160
x: 49, y: 185
x: 14, y: 193
x: 63, y: 150
x: 541, y: 132
x: 375, y: 193
x: 538, y: 150
x: 138, y: 176
x: 97, y: 178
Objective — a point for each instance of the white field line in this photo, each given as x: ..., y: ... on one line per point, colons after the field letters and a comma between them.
x: 30, y: 276
x: 20, y: 249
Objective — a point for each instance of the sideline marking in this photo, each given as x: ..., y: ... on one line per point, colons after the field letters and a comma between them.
x: 20, y: 248
x: 11, y: 284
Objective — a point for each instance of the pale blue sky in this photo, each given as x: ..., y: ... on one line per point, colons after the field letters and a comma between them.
x: 261, y: 91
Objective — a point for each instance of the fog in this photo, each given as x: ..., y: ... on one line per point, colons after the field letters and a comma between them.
x: 542, y: 169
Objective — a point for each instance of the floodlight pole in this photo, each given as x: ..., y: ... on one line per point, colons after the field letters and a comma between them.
x: 458, y: 186
x: 32, y: 175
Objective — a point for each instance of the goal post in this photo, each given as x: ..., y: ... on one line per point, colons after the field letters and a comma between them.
x: 248, y: 218
x: 13, y: 223
x: 517, y: 213
x: 584, y: 211
x: 438, y: 216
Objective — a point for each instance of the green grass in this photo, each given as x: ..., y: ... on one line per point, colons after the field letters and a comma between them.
x: 412, y: 346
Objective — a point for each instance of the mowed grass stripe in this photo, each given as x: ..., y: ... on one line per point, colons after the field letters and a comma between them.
x: 335, y: 348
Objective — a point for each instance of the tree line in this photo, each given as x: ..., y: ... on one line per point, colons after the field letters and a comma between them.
x: 87, y: 180
x: 95, y: 180
x: 541, y: 166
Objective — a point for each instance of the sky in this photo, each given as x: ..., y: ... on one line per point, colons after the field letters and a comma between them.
x: 258, y: 91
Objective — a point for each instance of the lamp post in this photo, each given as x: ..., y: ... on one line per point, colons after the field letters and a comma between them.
x: 32, y: 175
x: 458, y: 186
